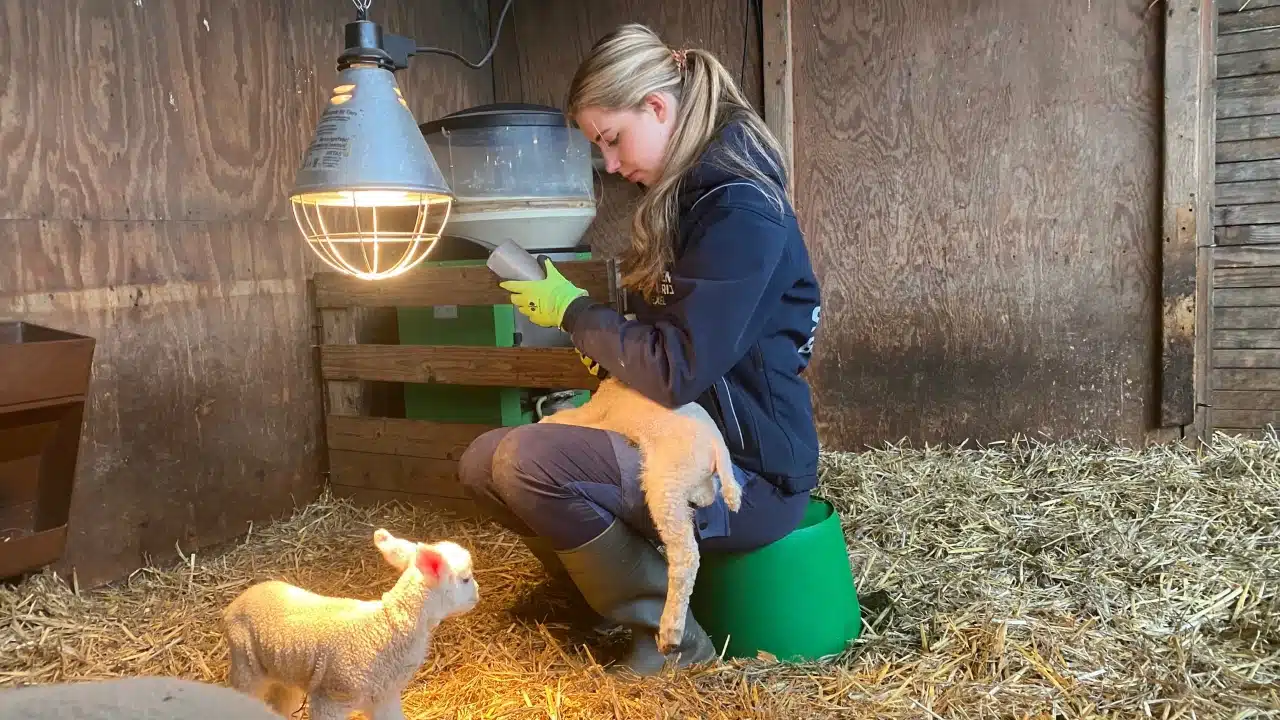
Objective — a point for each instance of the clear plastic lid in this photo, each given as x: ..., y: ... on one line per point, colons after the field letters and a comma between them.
x: 511, y: 151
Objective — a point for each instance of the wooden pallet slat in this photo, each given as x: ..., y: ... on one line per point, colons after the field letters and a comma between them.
x: 539, y: 367
x: 1236, y: 277
x: 1251, y: 95
x: 380, y: 459
x: 1247, y: 42
x: 1250, y: 358
x: 1254, y: 62
x: 1234, y: 6
x: 457, y: 285
x: 1246, y: 419
x: 1247, y: 128
x: 1249, y: 193
x: 1260, y: 214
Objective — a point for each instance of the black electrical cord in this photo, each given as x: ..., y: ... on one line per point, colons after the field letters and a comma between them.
x: 492, y: 46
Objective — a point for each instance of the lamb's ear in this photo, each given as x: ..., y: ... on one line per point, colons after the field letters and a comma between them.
x: 430, y: 562
x: 395, y: 551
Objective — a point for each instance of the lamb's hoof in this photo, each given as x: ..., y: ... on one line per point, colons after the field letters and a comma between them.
x: 669, y: 639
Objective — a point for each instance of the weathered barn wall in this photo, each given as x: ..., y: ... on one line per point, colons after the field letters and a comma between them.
x: 980, y: 188
x: 535, y: 62
x: 1245, y: 320
x: 148, y: 148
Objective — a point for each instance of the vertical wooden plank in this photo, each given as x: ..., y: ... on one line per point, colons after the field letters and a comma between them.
x: 1185, y: 207
x: 779, y: 97
x: 338, y: 326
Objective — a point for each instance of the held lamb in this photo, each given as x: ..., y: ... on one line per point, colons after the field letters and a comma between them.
x: 347, y: 654
x: 682, y: 452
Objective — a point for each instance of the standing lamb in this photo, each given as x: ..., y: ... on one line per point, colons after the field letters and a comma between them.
x: 683, y: 452
x: 347, y: 654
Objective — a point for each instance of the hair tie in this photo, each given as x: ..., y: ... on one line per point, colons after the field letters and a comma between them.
x: 679, y: 57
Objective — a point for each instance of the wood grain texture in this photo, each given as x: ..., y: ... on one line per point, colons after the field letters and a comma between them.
x: 1238, y: 172
x: 1246, y: 317
x: 967, y: 295
x: 1247, y: 419
x: 1247, y: 150
x: 194, y: 110
x: 1247, y: 256
x: 1253, y: 95
x: 1246, y: 338
x: 1248, y: 193
x: 779, y: 79
x: 1253, y: 17
x: 397, y: 473
x: 1247, y: 297
x: 1250, y: 358
x: 1247, y: 128
x: 1246, y: 277
x: 1226, y: 7
x: 1246, y: 379
x: 452, y: 285
x: 400, y: 436
x: 1246, y: 400
x: 1247, y: 235
x: 532, y: 367
x: 544, y: 41
x: 1248, y: 42
x: 1265, y: 213
x: 148, y: 150
x: 1249, y: 63
x: 1187, y: 186
x: 367, y: 497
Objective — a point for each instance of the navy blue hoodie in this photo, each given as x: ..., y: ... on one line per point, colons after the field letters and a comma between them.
x: 734, y: 327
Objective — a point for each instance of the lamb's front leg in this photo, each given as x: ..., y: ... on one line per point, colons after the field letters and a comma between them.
x: 673, y: 518
x: 325, y: 708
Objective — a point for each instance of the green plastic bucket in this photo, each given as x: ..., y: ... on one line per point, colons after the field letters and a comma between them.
x: 795, y: 598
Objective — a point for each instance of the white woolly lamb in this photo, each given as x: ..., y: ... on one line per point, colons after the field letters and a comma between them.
x: 347, y: 654
x: 682, y: 451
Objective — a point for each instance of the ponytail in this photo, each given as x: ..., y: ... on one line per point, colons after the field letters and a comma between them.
x: 624, y: 68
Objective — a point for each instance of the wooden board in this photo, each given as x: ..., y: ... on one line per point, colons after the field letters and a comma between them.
x: 1246, y: 277
x: 148, y: 152
x: 396, y: 473
x: 1246, y: 379
x: 1248, y: 42
x: 1226, y: 7
x: 1249, y: 63
x: 1247, y: 128
x: 1246, y: 419
x: 970, y: 292
x: 1253, y: 95
x: 1246, y: 317
x: 463, y: 508
x: 1247, y: 297
x: 1246, y: 256
x: 1251, y: 358
x: 1187, y: 182
x: 1246, y: 338
x: 400, y: 436
x: 426, y: 286
x: 779, y: 80
x: 1237, y: 172
x: 1247, y: 235
x: 1245, y: 400
x: 1265, y: 213
x: 544, y: 41
x: 538, y: 367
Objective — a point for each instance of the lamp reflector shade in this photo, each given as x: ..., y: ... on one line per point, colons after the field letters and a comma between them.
x: 369, y: 197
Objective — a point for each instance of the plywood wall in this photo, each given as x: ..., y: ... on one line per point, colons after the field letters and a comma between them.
x: 148, y: 148
x: 979, y: 183
x: 1244, y: 356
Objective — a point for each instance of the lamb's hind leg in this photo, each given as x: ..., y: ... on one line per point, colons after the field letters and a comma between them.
x: 673, y: 518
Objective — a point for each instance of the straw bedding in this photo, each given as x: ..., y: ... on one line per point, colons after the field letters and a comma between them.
x: 1017, y: 580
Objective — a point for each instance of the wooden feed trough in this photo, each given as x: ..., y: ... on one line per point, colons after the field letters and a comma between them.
x: 373, y: 459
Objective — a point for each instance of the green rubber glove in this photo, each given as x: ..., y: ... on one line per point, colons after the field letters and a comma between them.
x: 543, y: 301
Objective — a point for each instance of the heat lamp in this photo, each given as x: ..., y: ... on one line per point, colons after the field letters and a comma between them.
x: 369, y: 197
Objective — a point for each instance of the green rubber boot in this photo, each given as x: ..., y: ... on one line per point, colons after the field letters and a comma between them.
x: 580, y: 611
x: 624, y: 578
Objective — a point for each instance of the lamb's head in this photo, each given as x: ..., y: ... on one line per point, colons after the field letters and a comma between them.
x: 443, y: 570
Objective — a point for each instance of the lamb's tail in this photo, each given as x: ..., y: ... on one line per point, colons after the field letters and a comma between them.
x: 730, y: 489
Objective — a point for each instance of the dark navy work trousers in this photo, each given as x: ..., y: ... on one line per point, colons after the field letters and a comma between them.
x: 567, y: 484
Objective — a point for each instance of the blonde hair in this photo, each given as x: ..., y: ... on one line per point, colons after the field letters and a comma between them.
x: 622, y: 69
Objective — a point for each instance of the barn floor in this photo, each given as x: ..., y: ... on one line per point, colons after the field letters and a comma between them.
x: 1026, y: 580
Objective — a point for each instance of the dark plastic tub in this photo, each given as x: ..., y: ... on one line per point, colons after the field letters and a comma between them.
x: 44, y: 378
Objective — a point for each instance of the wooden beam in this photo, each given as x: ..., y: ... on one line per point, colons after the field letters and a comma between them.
x: 540, y: 367
x: 425, y: 286
x: 1188, y: 189
x: 779, y: 93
